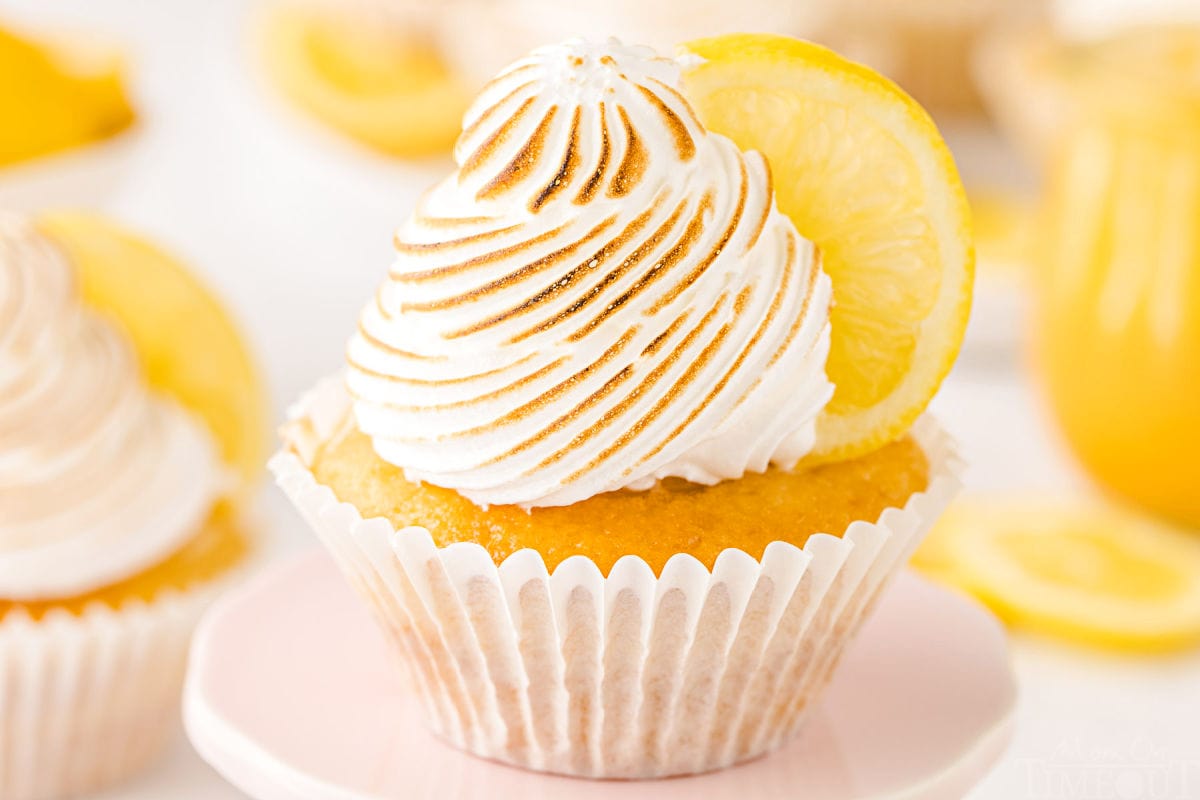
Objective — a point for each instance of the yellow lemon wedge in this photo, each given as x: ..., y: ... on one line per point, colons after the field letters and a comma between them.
x: 365, y: 77
x: 54, y: 98
x: 863, y: 172
x: 1091, y: 574
x: 188, y: 345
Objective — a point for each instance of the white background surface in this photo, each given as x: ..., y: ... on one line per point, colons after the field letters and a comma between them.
x: 293, y: 228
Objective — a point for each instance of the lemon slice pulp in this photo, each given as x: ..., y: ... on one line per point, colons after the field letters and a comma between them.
x: 1091, y: 574
x: 862, y: 171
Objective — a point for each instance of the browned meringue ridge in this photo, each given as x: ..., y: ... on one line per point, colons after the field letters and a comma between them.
x: 601, y: 296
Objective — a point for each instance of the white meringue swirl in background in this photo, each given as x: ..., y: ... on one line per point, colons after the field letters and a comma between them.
x: 99, y: 477
x: 602, y: 295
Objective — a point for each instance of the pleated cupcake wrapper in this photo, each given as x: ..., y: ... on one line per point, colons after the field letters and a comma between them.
x: 629, y: 676
x: 87, y: 700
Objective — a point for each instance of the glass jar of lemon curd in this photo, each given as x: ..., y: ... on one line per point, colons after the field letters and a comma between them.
x: 1117, y: 322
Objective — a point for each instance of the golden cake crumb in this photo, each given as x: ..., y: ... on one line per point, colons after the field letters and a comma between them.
x: 674, y: 517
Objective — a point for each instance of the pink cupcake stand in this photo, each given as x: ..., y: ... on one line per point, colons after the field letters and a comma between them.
x: 292, y: 695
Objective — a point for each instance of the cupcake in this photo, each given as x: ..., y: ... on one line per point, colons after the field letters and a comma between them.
x: 68, y: 120
x: 119, y: 499
x: 624, y: 450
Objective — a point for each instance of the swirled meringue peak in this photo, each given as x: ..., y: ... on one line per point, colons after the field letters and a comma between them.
x: 602, y: 295
x: 100, y: 478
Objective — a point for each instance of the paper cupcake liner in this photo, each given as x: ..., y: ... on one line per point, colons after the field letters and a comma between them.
x: 629, y: 676
x: 88, y: 699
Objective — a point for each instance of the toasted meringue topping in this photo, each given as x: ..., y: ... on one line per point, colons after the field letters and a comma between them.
x: 602, y: 295
x: 99, y: 477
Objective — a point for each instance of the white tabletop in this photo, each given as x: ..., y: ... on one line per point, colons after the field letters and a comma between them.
x: 293, y: 228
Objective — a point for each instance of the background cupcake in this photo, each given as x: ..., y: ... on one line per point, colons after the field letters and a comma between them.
x: 119, y: 499
x: 563, y: 467
x: 69, y: 121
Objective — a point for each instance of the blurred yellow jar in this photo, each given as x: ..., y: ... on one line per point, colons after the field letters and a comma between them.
x: 1118, y: 315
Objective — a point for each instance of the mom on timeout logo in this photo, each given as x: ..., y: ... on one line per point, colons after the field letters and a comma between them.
x: 1141, y: 771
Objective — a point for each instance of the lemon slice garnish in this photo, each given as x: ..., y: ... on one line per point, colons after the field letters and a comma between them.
x: 863, y: 172
x: 1092, y: 574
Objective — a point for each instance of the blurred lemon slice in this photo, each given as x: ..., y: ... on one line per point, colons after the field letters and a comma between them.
x: 863, y: 172
x: 366, y: 77
x: 1004, y: 229
x: 1091, y: 574
x: 188, y: 345
x: 55, y: 97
